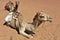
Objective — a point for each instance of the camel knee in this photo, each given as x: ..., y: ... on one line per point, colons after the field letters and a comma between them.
x: 21, y: 32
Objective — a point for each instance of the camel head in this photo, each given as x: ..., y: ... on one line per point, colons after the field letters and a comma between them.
x: 43, y: 17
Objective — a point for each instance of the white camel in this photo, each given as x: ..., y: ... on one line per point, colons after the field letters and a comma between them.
x: 23, y: 25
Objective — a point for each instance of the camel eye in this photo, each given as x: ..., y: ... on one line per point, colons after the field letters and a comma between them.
x: 41, y: 16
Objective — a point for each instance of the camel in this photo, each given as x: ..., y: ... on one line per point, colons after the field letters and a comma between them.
x: 21, y: 25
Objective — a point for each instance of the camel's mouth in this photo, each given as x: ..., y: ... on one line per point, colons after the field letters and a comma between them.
x: 50, y: 19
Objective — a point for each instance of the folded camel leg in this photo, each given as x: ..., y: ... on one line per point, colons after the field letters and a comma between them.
x: 22, y: 32
x: 7, y: 23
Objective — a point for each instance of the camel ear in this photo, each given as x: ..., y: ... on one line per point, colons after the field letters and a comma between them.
x: 42, y: 12
x: 38, y: 13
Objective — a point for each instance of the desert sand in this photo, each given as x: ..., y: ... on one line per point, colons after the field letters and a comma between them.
x: 28, y: 8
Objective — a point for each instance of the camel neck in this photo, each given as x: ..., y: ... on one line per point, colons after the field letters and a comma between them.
x: 36, y: 23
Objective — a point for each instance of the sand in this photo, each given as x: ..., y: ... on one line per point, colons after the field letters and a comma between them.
x: 28, y: 8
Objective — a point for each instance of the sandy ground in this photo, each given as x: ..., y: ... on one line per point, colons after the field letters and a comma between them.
x: 47, y: 31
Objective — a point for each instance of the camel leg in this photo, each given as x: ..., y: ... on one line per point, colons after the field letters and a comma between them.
x: 7, y: 23
x: 22, y: 31
x: 17, y: 25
